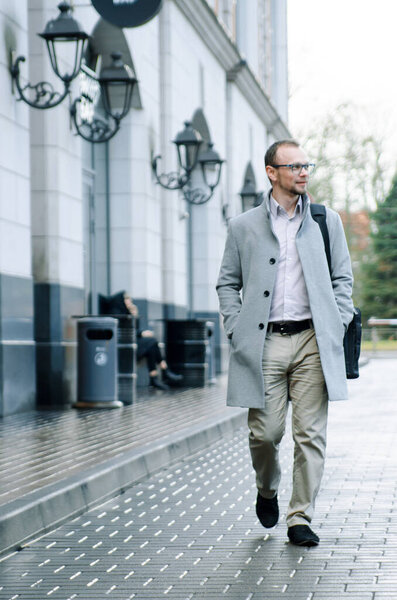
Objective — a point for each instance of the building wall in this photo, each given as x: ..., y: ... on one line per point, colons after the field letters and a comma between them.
x: 51, y: 266
x: 17, y: 352
x: 279, y: 57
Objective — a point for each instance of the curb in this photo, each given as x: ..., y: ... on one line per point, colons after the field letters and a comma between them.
x: 42, y: 510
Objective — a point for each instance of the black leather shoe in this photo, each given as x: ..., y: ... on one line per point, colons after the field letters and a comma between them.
x: 172, y: 377
x: 160, y: 385
x: 302, y: 535
x: 267, y: 510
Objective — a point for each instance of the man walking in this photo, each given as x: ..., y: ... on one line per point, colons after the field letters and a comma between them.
x: 286, y: 319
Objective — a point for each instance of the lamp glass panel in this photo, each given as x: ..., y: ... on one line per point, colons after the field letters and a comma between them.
x: 117, y: 96
x: 65, y: 56
x: 212, y: 173
x: 188, y: 156
x: 192, y: 153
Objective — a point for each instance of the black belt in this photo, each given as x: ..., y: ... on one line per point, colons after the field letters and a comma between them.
x: 290, y: 327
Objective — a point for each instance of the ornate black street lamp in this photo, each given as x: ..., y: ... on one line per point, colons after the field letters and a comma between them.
x: 63, y: 29
x: 211, y: 167
x: 250, y: 198
x: 188, y: 143
x: 116, y: 84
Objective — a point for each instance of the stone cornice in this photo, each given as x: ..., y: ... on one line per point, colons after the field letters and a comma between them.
x: 210, y: 30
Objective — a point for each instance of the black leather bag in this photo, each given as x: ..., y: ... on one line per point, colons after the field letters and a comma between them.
x: 352, y: 339
x: 352, y: 345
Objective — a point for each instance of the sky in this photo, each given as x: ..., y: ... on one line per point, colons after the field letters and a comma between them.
x: 344, y: 51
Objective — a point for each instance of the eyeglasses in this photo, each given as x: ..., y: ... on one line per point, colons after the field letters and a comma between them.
x: 297, y: 168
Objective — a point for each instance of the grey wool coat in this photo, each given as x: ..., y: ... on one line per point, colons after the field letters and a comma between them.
x: 245, y: 287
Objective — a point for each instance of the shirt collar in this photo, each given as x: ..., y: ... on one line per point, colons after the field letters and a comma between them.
x: 276, y: 209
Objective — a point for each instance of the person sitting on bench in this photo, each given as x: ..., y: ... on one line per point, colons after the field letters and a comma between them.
x: 148, y: 347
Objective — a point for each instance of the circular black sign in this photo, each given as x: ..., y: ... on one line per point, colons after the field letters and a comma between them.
x: 127, y: 13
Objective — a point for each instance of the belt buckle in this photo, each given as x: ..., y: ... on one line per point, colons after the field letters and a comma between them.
x: 283, y: 327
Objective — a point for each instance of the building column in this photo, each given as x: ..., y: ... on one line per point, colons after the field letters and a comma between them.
x: 174, y: 225
x: 57, y: 230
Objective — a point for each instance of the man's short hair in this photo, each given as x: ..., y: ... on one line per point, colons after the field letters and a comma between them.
x: 272, y: 150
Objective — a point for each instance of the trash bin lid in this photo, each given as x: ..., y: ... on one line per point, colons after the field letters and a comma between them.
x: 97, y: 322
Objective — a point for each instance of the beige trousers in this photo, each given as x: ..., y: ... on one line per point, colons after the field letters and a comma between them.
x: 291, y: 370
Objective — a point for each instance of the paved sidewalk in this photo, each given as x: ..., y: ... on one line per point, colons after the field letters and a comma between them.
x: 190, y: 531
x: 54, y: 464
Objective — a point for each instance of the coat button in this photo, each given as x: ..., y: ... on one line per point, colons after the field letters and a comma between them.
x: 272, y: 261
x: 266, y: 293
x: 261, y: 326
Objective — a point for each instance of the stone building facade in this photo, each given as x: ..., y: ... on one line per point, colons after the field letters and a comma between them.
x: 78, y: 219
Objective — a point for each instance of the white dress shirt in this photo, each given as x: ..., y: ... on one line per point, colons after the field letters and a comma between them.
x: 290, y: 301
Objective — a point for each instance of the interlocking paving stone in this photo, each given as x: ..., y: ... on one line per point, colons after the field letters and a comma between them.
x: 185, y: 421
x: 190, y: 531
x: 42, y: 447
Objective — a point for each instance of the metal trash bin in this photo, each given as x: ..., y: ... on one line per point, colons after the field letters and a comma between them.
x: 126, y: 354
x: 188, y: 350
x: 97, y: 363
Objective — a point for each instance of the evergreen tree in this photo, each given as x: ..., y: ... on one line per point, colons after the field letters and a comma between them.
x: 379, y: 292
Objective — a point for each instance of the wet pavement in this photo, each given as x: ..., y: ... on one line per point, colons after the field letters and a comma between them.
x: 57, y: 464
x: 190, y: 531
x: 43, y: 447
